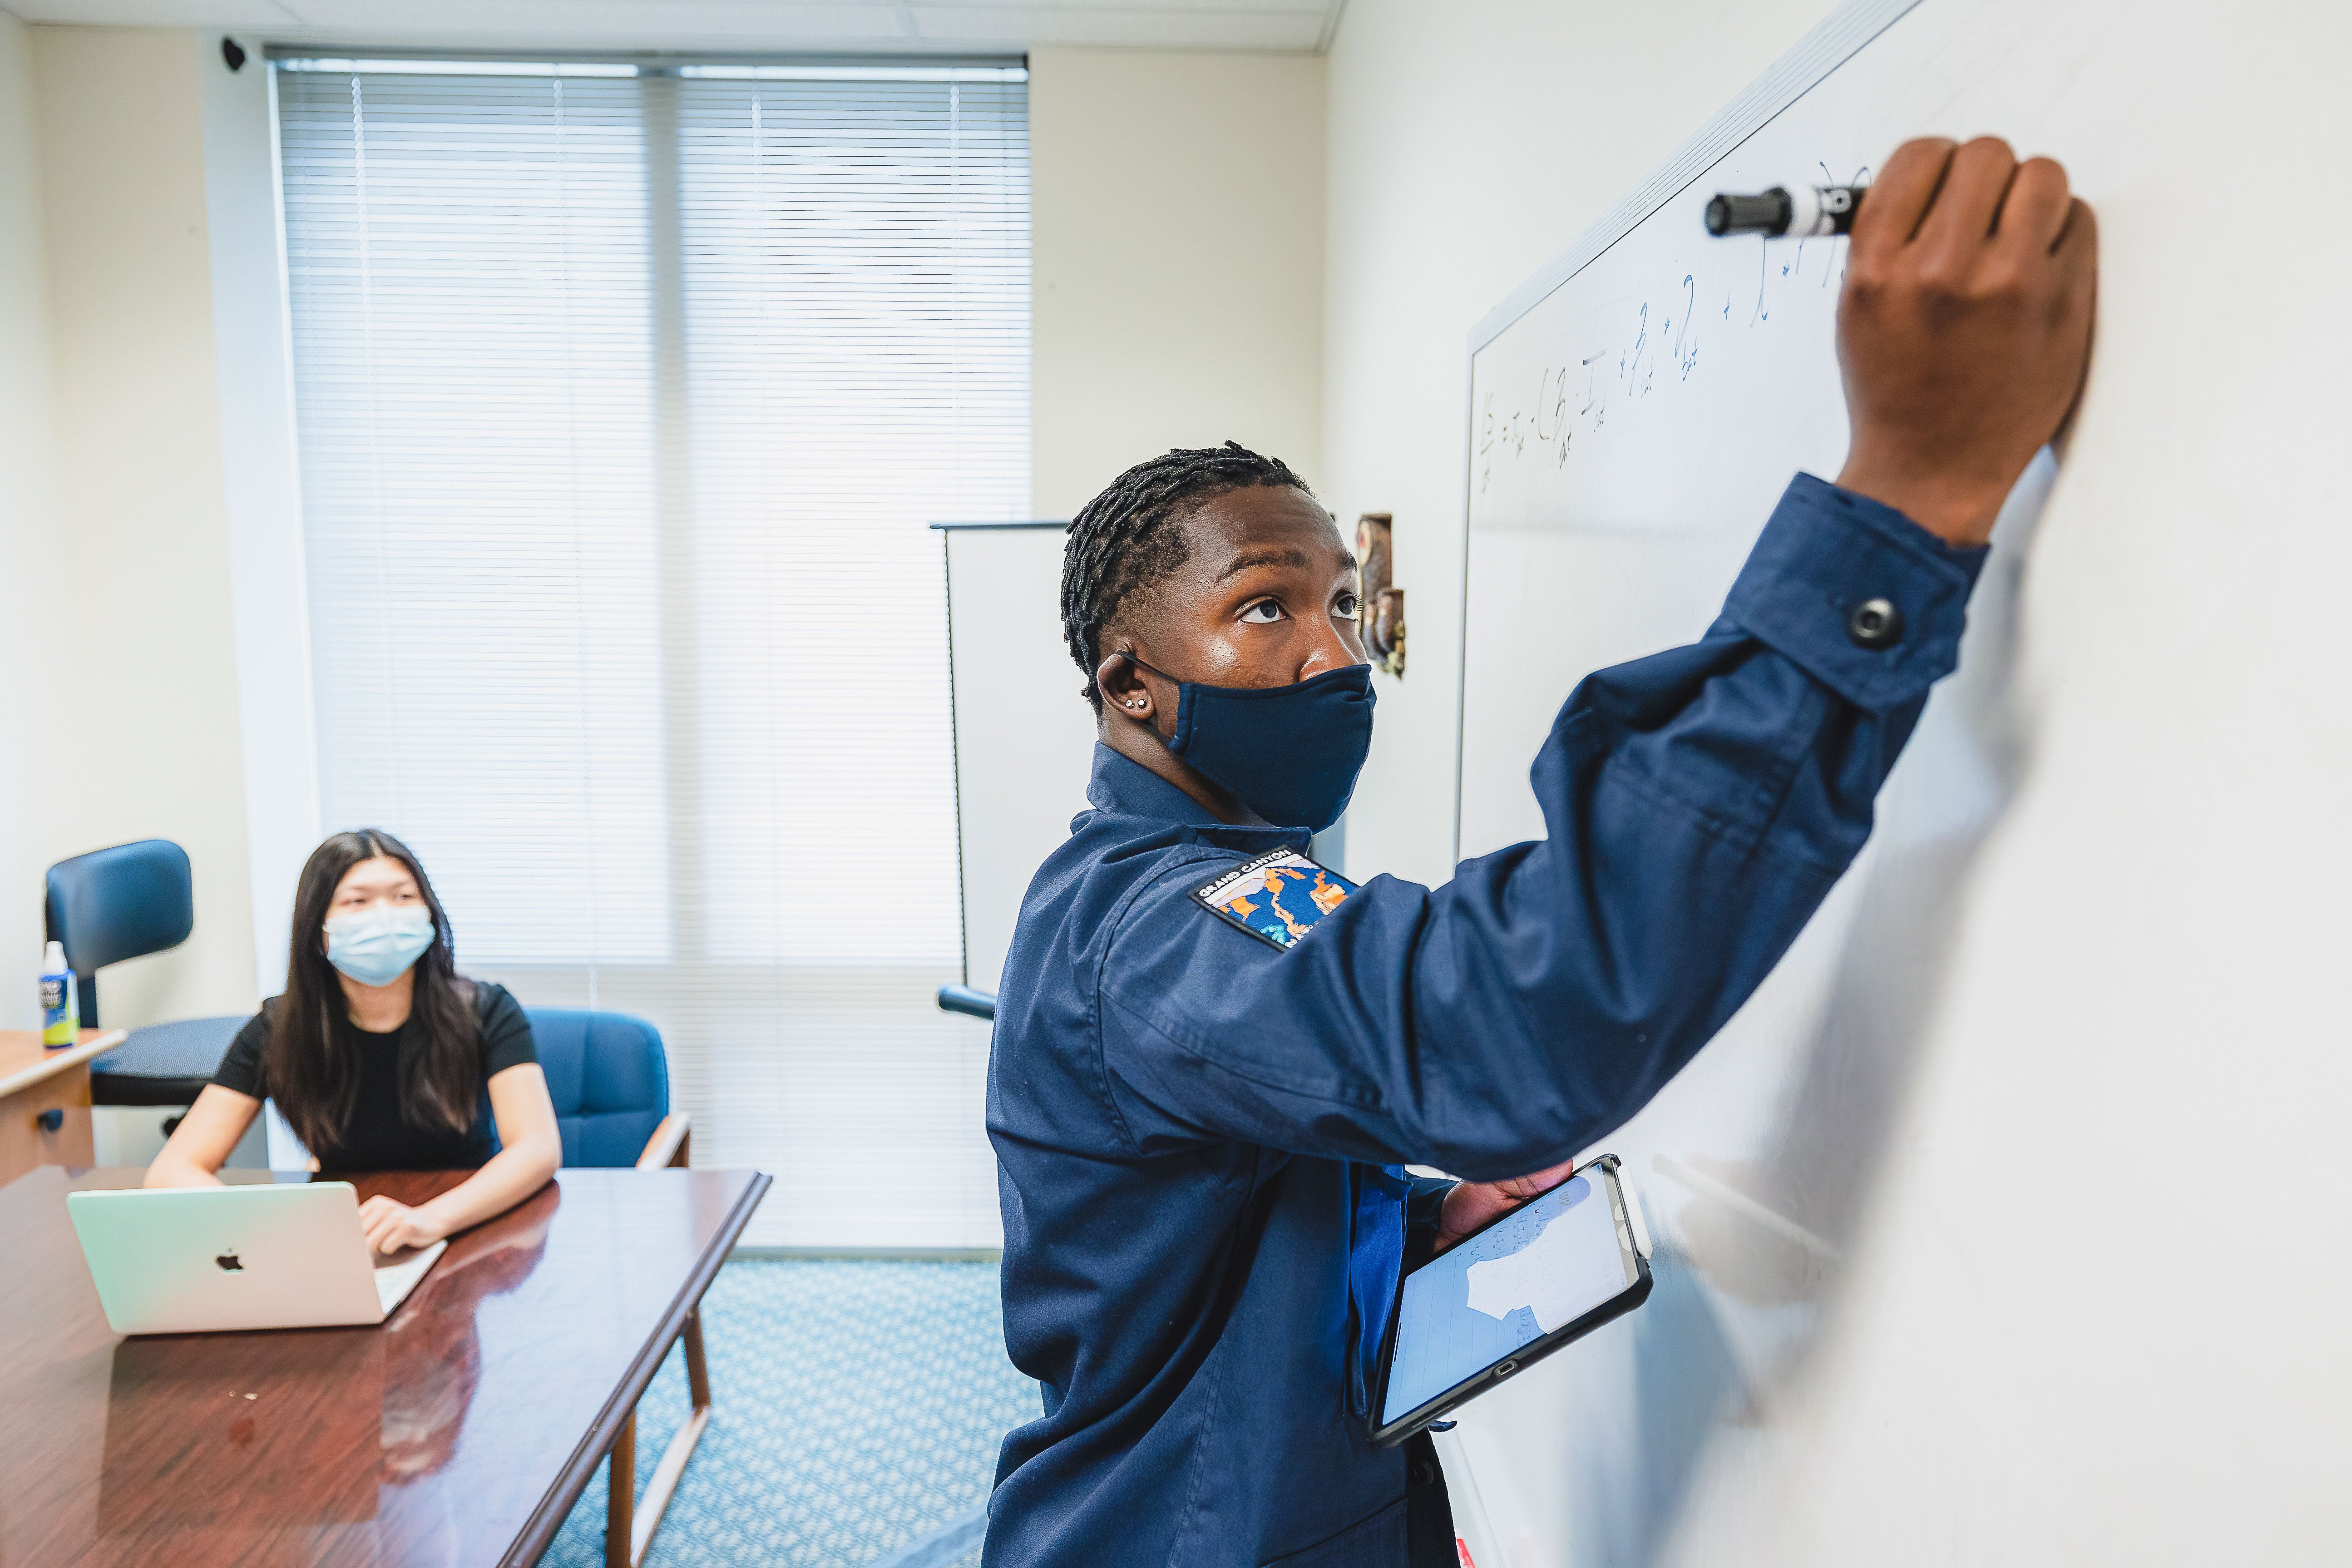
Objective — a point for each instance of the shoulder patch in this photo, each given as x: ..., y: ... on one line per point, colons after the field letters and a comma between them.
x: 1276, y: 898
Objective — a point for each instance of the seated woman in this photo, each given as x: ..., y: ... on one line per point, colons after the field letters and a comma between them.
x: 381, y: 1056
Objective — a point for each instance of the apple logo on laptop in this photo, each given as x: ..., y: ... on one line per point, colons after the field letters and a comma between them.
x: 228, y: 1262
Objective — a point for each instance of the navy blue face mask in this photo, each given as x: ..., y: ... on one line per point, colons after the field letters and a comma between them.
x: 1290, y: 753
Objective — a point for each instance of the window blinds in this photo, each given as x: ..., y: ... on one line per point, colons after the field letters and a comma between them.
x: 625, y: 397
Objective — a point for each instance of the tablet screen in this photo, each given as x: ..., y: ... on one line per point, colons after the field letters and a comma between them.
x: 1503, y: 1288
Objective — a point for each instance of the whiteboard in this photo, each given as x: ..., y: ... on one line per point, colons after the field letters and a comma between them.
x: 1025, y: 739
x: 2011, y: 1221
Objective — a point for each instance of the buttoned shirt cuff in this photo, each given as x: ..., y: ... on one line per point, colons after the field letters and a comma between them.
x: 1816, y: 587
x: 1424, y: 1211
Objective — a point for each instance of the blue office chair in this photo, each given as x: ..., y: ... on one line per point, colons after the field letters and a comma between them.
x: 125, y: 902
x: 610, y: 1081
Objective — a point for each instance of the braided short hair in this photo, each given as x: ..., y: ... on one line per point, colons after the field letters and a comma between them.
x: 1122, y: 542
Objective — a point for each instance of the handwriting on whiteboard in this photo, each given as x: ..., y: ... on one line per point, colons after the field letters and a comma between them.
x: 1651, y: 347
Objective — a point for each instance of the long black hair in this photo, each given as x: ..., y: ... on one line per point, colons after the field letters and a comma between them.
x: 312, y: 1069
x: 1122, y: 543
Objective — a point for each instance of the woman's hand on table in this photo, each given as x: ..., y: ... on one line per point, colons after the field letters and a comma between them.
x: 391, y: 1226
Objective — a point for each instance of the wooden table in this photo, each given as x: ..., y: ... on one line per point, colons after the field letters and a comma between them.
x: 38, y: 1085
x: 460, y: 1431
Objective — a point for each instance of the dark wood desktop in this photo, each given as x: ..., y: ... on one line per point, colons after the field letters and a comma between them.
x: 459, y: 1431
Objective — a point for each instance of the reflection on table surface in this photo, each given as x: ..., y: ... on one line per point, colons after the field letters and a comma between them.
x: 435, y: 1348
x: 195, y: 1433
x: 443, y: 1434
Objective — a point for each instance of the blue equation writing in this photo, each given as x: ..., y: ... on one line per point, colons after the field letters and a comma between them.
x: 1658, y: 346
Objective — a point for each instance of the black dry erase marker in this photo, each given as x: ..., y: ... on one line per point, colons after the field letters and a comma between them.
x: 1805, y: 212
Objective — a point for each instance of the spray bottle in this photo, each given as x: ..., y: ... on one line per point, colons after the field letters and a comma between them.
x: 61, y: 1000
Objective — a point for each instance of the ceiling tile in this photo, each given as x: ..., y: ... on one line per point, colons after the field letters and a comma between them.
x: 598, y: 23
x: 1157, y: 27
x: 773, y: 25
x: 257, y: 14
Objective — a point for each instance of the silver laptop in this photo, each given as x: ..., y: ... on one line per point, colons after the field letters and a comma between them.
x: 177, y: 1260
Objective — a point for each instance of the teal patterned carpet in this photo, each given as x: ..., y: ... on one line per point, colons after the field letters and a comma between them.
x: 857, y: 1406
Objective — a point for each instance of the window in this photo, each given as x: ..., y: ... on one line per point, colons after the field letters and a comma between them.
x: 624, y: 396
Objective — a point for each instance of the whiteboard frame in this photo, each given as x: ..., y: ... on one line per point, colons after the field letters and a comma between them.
x: 1838, y: 39
x: 1840, y: 36
x: 955, y: 744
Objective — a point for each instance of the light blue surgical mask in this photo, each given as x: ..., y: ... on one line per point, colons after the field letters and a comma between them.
x: 375, y: 945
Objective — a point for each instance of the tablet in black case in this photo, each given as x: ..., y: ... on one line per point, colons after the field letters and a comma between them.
x: 1511, y: 1293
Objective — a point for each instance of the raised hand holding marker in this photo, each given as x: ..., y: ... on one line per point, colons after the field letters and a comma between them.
x: 1805, y: 212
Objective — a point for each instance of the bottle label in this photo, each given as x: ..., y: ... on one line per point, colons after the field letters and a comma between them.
x: 60, y: 1010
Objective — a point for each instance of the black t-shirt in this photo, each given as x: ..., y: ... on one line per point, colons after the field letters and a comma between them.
x: 380, y: 1138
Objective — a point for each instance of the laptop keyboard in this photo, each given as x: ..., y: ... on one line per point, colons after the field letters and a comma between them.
x: 393, y: 1281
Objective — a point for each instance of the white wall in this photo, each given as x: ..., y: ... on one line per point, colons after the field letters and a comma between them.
x: 2060, y: 1271
x: 37, y: 729
x: 1178, y: 257
x: 139, y: 528
x: 1179, y: 260
x: 261, y: 492
x: 1179, y: 230
x: 1468, y: 144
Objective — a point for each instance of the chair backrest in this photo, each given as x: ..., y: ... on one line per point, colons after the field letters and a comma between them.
x: 123, y: 902
x: 608, y: 1078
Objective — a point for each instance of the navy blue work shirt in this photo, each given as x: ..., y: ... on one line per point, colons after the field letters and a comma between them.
x: 1200, y: 1136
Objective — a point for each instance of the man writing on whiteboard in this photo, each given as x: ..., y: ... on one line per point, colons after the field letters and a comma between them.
x: 1202, y: 1102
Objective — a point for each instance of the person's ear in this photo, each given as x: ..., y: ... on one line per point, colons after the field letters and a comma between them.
x: 1123, y: 691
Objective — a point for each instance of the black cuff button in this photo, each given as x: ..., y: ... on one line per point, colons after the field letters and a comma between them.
x: 1875, y: 623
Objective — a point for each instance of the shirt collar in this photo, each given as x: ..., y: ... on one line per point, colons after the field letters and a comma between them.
x: 1123, y: 785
